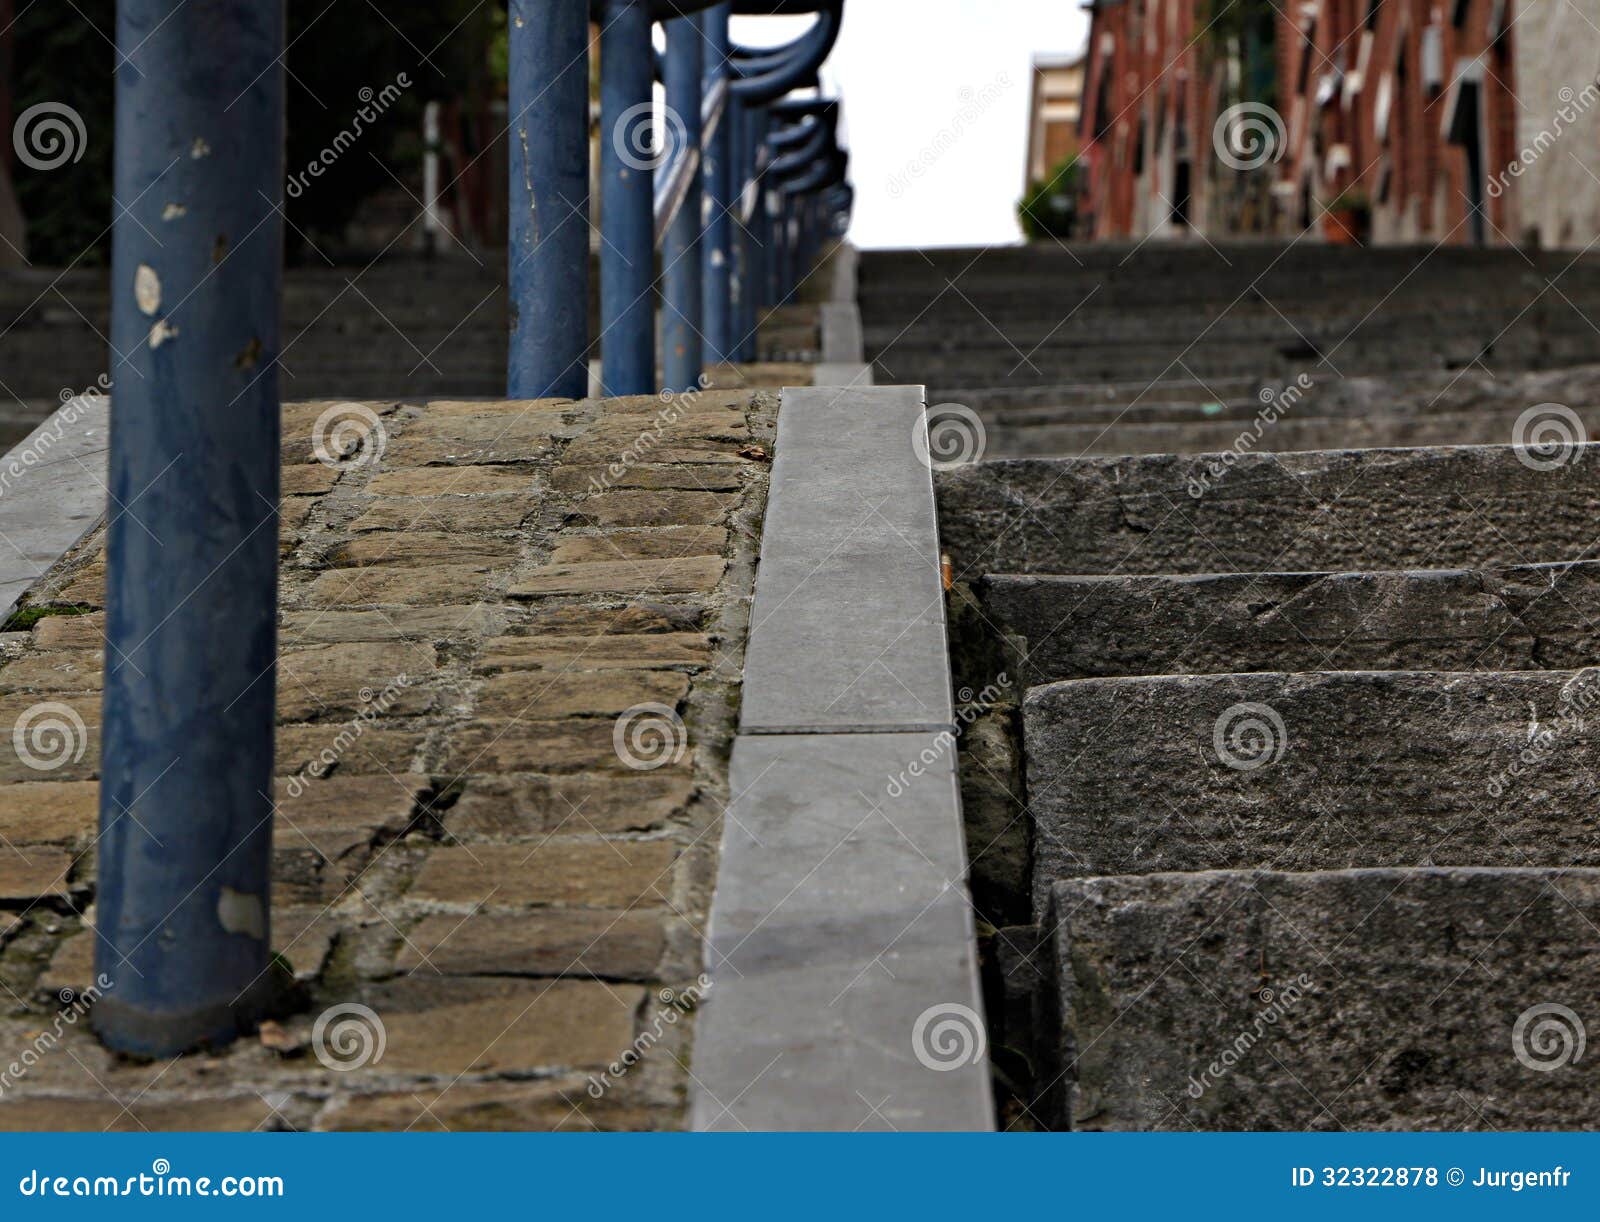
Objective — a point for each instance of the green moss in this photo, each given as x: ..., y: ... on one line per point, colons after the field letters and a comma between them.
x: 25, y: 618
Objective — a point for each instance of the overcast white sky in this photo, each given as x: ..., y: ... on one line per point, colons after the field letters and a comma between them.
x: 941, y: 84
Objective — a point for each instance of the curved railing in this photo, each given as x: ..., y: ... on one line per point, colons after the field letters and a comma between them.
x: 681, y: 192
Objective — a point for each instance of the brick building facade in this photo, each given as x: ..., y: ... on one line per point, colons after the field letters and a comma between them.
x: 1254, y: 118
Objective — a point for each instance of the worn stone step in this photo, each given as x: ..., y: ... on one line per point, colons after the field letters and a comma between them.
x: 1040, y: 332
x: 1439, y: 999
x: 1209, y: 364
x: 1518, y: 349
x: 1328, y: 770
x: 1527, y: 617
x: 1212, y: 436
x: 1466, y: 506
x: 1183, y: 398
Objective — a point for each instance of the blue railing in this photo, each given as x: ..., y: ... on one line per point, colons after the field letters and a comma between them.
x: 756, y: 183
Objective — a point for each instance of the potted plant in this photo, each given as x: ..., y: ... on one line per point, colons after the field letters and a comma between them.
x: 1347, y: 220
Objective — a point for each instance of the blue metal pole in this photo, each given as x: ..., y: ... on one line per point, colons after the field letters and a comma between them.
x: 548, y: 243
x: 683, y: 348
x: 719, y: 188
x: 758, y: 248
x: 192, y: 552
x: 628, y: 156
x: 740, y: 295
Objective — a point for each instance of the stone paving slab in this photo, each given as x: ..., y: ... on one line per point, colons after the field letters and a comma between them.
x: 53, y: 485
x: 847, y: 632
x: 510, y: 646
x: 830, y: 983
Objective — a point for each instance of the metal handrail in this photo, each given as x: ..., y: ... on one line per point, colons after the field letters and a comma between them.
x: 672, y: 187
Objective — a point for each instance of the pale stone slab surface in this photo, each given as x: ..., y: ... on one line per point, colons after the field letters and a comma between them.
x: 52, y: 490
x: 841, y: 938
x: 848, y: 632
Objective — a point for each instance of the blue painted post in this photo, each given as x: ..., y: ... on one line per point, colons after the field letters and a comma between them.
x: 682, y: 304
x: 548, y: 243
x: 720, y: 188
x: 758, y: 249
x: 628, y: 156
x: 192, y: 552
x: 743, y: 239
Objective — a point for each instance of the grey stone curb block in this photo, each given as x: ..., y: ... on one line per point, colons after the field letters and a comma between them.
x: 847, y: 632
x: 842, y: 954
x: 52, y: 492
x: 840, y: 922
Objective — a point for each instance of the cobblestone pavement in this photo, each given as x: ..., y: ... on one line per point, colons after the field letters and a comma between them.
x: 510, y: 646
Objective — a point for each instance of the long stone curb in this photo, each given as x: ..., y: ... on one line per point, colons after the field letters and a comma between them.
x: 844, y: 361
x: 52, y: 492
x: 842, y: 952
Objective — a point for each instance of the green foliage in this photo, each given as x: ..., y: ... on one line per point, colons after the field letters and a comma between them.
x: 336, y: 50
x: 1351, y: 199
x: 1050, y: 208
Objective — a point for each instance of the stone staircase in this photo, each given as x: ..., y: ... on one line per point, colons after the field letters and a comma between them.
x: 1284, y: 817
x: 401, y: 328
